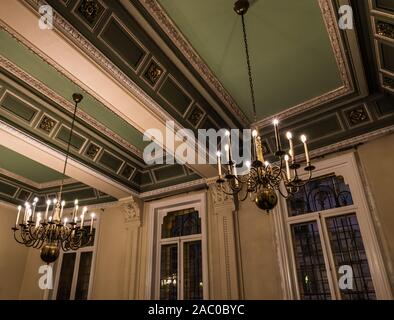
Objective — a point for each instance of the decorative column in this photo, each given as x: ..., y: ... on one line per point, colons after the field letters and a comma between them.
x: 223, y: 273
x: 132, y: 220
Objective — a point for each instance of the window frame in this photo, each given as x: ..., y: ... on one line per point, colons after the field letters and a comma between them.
x: 58, y: 264
x: 157, y: 211
x: 345, y: 165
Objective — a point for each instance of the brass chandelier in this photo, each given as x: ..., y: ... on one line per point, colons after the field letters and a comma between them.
x: 262, y: 180
x: 51, y: 232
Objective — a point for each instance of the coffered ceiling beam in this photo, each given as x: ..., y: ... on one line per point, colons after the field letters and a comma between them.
x: 21, y: 143
x: 85, y: 72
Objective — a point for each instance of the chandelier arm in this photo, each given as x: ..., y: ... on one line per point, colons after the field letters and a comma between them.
x: 20, y: 241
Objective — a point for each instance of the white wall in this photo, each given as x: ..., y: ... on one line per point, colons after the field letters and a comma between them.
x: 12, y: 255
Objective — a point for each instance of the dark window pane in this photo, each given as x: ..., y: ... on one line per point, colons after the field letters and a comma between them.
x: 348, y: 250
x: 181, y: 223
x: 85, y: 262
x: 66, y: 276
x: 192, y: 273
x: 169, y: 272
x: 321, y: 193
x: 311, y: 270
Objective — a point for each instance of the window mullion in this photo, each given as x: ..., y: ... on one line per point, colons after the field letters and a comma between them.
x: 330, y: 256
x: 75, y: 275
x: 180, y: 269
x: 327, y: 258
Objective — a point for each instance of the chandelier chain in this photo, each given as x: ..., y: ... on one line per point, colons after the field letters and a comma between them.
x: 68, y: 149
x: 249, y: 68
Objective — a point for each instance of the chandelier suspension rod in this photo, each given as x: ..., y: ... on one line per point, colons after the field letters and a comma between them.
x: 249, y: 67
x: 77, y: 98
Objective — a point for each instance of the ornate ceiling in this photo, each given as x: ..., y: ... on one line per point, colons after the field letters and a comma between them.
x: 139, y: 63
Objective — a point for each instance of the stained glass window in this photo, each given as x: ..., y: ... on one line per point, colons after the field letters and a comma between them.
x: 181, y: 265
x: 85, y: 262
x: 192, y: 270
x: 311, y: 269
x: 75, y: 271
x: 348, y: 250
x: 181, y: 223
x: 322, y: 193
x: 66, y: 276
x: 169, y: 272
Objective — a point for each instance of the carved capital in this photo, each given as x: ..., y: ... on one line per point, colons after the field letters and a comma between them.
x: 219, y: 198
x: 131, y: 211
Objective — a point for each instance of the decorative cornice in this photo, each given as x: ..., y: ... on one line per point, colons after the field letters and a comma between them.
x: 170, y: 189
x: 36, y: 185
x: 328, y: 12
x: 352, y: 142
x: 176, y: 36
x: 59, y: 100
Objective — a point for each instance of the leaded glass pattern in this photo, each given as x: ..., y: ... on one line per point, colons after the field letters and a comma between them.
x: 310, y: 265
x: 192, y: 272
x: 181, y: 223
x: 66, y: 276
x: 169, y: 272
x: 321, y: 193
x: 348, y: 250
x: 85, y: 262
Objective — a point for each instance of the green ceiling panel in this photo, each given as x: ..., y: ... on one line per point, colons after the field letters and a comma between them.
x: 84, y: 194
x: 7, y: 189
x: 75, y: 142
x: 174, y: 95
x: 26, y: 167
x: 292, y: 58
x: 124, y: 45
x: 19, y: 108
x: 388, y: 57
x: 34, y: 65
x: 110, y: 161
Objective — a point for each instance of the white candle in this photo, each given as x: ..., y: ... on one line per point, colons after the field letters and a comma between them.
x: 254, y: 135
x: 75, y: 208
x: 65, y: 221
x: 38, y: 219
x: 219, y: 164
x: 17, y: 216
x: 35, y: 201
x: 76, y: 211
x: 63, y: 203
x: 290, y: 138
x: 277, y: 137
x: 84, y: 210
x: 47, y: 209
x: 287, y: 167
x: 248, y: 165
x: 25, y: 217
x: 303, y: 139
x: 91, y: 223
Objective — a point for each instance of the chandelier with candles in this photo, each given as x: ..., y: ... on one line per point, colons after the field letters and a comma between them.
x: 262, y: 180
x: 51, y: 231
